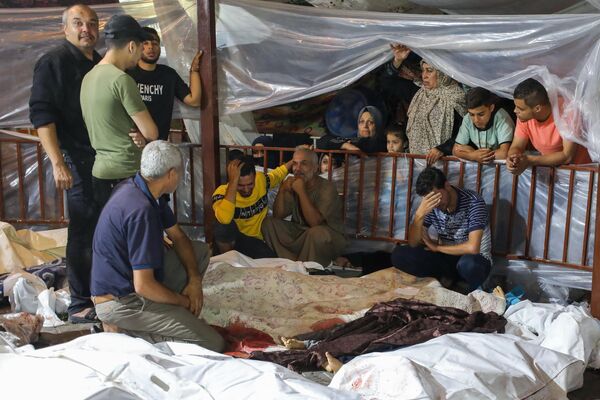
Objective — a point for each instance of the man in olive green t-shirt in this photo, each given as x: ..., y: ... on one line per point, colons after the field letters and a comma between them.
x: 111, y: 106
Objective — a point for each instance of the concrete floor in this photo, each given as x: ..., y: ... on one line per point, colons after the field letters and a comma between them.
x: 590, y: 389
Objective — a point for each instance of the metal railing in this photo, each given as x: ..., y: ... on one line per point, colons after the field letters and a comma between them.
x: 365, y: 182
x: 27, y: 192
x: 377, y: 192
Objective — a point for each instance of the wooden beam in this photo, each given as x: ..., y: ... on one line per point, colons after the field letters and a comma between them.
x: 595, y: 301
x: 209, y: 111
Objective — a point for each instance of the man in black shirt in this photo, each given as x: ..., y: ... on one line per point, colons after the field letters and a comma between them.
x: 55, y: 112
x: 160, y: 84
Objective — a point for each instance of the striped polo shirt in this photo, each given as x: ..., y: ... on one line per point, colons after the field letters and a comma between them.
x: 470, y: 215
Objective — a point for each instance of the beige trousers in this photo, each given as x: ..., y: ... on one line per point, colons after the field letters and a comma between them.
x: 157, y: 322
x: 301, y: 243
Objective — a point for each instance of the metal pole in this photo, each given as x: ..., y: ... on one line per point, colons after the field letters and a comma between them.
x: 595, y: 300
x: 209, y: 111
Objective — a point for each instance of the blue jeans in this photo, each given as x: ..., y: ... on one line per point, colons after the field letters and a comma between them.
x: 83, y: 216
x: 417, y: 261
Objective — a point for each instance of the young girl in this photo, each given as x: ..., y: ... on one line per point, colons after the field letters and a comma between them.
x: 324, y: 163
x: 397, y: 142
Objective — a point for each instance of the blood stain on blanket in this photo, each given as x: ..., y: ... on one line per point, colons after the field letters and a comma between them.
x: 326, y: 324
x: 328, y: 310
x: 357, y: 383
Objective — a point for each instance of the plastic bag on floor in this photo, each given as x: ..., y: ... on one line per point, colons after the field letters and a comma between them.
x: 23, y: 289
x: 28, y: 293
x: 63, y: 301
x: 46, y: 305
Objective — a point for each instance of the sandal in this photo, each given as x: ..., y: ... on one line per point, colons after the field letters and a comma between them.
x: 89, y: 317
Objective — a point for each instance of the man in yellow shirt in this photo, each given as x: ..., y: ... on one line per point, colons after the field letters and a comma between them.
x: 241, y: 206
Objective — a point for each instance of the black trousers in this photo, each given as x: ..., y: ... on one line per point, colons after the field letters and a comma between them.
x: 103, y: 189
x: 247, y: 245
x: 83, y: 216
x: 417, y: 261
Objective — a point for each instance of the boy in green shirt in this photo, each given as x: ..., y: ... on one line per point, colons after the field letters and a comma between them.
x: 111, y: 106
x: 486, y: 135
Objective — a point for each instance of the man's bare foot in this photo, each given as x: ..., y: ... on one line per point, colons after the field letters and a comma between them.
x: 332, y: 364
x: 293, y: 344
x: 498, y: 292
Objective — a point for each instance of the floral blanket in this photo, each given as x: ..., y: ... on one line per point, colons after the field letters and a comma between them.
x: 284, y: 303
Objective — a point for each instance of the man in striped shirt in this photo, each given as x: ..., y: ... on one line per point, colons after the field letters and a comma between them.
x: 462, y: 249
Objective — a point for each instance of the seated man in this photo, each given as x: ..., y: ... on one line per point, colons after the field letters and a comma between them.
x: 241, y: 205
x: 463, y: 245
x: 135, y: 285
x: 315, y: 232
x: 536, y: 125
x: 486, y: 135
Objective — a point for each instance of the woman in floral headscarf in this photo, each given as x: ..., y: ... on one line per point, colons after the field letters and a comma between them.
x: 435, y: 114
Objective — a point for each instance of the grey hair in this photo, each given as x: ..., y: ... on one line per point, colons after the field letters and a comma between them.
x: 158, y: 157
x: 65, y: 14
x: 311, y: 153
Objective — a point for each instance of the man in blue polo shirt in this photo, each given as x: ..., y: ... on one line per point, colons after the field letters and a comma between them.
x: 136, y: 287
x: 463, y: 245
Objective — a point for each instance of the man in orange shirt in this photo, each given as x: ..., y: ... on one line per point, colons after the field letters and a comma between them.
x: 536, y: 125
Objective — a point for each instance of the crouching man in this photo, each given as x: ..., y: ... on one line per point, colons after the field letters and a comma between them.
x: 315, y: 232
x: 135, y: 285
x: 463, y: 246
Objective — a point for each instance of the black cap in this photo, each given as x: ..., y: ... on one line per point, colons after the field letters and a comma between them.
x: 124, y: 26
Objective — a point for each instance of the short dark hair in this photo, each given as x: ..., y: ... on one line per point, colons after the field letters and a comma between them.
x: 430, y: 178
x: 532, y: 92
x: 235, y: 154
x: 248, y: 167
x: 121, y: 42
x: 152, y: 31
x: 478, y: 96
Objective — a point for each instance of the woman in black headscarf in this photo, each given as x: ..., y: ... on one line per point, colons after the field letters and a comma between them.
x: 258, y: 154
x: 370, y: 136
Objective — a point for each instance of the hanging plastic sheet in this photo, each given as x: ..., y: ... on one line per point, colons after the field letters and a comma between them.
x: 507, y: 6
x: 26, y: 34
x: 272, y: 53
x: 475, y: 7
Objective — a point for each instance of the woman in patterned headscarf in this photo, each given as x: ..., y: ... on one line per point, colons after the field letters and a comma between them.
x: 435, y: 114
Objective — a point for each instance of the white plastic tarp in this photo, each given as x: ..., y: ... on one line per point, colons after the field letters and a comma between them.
x: 272, y: 53
x: 543, y: 356
x: 115, y: 366
x: 463, y: 366
x: 567, y: 329
x: 508, y: 6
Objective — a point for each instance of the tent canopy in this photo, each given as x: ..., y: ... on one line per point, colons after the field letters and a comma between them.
x: 271, y: 53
